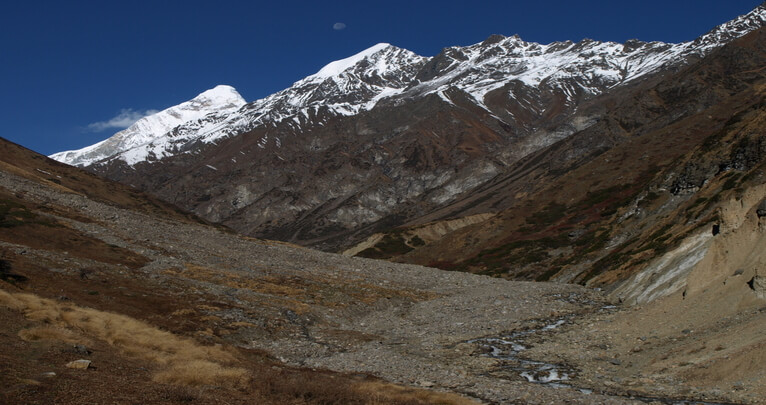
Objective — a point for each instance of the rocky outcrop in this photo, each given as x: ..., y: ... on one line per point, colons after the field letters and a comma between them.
x: 665, y: 275
x: 762, y: 209
x: 758, y: 285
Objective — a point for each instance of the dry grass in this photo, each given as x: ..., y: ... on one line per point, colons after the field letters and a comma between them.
x: 49, y: 332
x: 295, y: 291
x: 236, y: 325
x: 180, y: 360
x: 282, y: 286
x: 304, y: 387
x: 202, y: 372
x: 384, y: 393
x: 183, y: 312
x: 191, y: 368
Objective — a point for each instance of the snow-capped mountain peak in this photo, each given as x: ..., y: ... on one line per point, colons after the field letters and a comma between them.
x: 343, y: 87
x: 221, y: 96
x: 518, y: 69
x: 221, y: 99
x: 337, y: 67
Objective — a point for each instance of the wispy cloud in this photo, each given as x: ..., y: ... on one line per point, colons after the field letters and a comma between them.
x: 124, y: 119
x: 338, y: 26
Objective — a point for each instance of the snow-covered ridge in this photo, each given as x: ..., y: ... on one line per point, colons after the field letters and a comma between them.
x: 731, y: 30
x: 358, y: 83
x: 153, y: 128
x: 337, y: 67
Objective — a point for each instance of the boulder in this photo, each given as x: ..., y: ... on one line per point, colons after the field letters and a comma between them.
x: 758, y: 285
x: 761, y: 209
x: 81, y: 349
x: 79, y: 364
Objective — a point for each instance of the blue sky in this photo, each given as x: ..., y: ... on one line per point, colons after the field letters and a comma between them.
x: 72, y: 71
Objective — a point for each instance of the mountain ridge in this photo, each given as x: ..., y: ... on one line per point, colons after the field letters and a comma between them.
x: 385, y: 73
x: 301, y: 166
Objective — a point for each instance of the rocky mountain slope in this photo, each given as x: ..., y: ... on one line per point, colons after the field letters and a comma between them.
x: 387, y: 137
x: 646, y: 189
x: 161, y: 308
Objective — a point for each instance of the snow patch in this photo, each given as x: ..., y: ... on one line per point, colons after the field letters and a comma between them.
x: 337, y: 67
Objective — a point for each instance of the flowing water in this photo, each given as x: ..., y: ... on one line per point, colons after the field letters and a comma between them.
x: 507, y: 350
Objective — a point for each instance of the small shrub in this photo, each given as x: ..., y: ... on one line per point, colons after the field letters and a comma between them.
x: 594, y: 240
x: 599, y: 196
x: 7, y: 275
x: 731, y: 182
x: 417, y: 241
x: 608, y: 212
x: 5, y: 266
x: 698, y: 202
x: 548, y: 215
x: 606, y: 263
x: 202, y: 372
x: 13, y: 214
x: 651, y: 196
x: 548, y: 274
x: 49, y: 332
x: 390, y: 245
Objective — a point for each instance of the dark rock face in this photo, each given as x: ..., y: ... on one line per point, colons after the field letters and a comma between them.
x: 693, y: 177
x: 441, y: 64
x: 758, y: 285
x: 761, y: 209
x: 7, y: 275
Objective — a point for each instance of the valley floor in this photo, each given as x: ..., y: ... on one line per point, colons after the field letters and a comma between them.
x: 251, y: 307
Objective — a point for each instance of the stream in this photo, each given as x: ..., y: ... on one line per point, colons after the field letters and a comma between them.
x: 508, y: 347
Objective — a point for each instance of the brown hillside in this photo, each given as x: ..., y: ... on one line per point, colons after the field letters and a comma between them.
x: 609, y: 192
